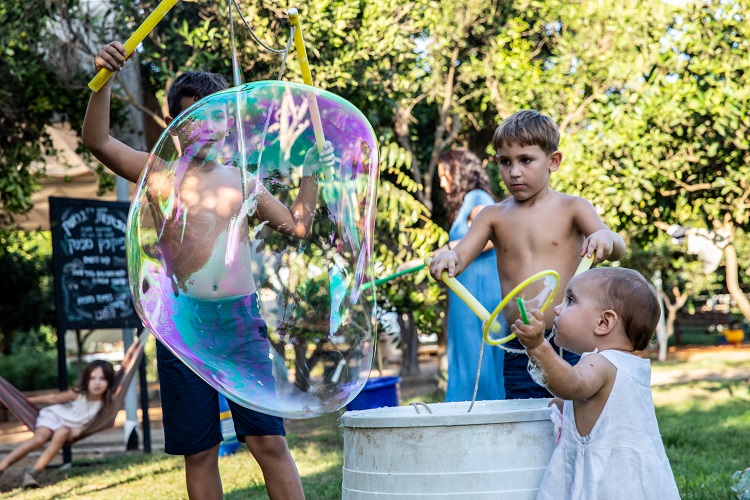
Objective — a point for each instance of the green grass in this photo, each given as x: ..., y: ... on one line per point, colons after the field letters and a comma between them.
x: 318, y: 453
x: 704, y: 426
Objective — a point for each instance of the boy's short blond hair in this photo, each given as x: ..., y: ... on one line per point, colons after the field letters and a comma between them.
x: 528, y: 128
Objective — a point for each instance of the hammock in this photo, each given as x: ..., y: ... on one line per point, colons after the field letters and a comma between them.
x: 26, y: 411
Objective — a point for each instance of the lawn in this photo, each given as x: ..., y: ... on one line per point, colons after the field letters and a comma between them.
x: 704, y: 426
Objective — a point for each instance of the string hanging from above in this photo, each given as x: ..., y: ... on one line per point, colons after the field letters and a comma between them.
x: 236, y: 71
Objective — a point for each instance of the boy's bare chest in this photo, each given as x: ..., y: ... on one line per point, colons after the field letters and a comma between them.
x: 217, y: 194
x: 542, y: 232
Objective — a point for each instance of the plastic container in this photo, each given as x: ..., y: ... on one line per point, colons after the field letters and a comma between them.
x: 377, y: 393
x: 229, y: 445
x: 499, y: 450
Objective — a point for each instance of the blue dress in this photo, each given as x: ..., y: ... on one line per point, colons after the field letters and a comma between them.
x: 464, y: 327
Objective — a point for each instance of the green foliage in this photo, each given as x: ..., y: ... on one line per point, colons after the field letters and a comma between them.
x: 670, y: 146
x: 26, y: 299
x: 405, y: 232
x: 679, y: 270
x: 35, y: 89
x: 31, y: 364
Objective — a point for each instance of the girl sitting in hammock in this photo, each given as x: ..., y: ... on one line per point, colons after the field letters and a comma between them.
x: 62, y: 422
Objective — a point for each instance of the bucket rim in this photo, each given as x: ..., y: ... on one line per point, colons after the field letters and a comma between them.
x: 449, y: 414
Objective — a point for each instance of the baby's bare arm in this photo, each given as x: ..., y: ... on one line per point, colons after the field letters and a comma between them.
x: 574, y: 383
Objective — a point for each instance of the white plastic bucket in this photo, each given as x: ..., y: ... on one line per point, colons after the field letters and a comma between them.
x: 497, y: 451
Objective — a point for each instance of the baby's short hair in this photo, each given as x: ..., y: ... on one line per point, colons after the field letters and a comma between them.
x: 633, y: 298
x: 528, y: 128
x: 195, y: 84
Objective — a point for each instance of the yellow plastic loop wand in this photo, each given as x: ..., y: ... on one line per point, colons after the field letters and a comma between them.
x: 135, y: 39
x: 466, y: 296
x: 299, y: 44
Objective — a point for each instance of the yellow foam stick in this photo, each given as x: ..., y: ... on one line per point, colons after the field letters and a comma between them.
x: 299, y: 44
x: 466, y: 296
x: 135, y: 39
x: 585, y: 264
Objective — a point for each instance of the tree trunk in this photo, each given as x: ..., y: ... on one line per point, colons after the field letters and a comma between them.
x: 732, y: 274
x: 661, y: 330
x: 410, y: 358
x: 680, y: 299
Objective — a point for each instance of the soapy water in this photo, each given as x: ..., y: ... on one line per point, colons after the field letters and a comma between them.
x: 247, y: 252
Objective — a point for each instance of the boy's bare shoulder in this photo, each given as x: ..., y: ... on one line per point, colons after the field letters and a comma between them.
x: 570, y: 200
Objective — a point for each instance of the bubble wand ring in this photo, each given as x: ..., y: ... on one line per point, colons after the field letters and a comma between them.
x: 584, y: 265
x: 513, y: 296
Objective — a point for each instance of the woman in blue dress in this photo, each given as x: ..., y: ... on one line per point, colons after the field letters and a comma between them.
x: 468, y: 188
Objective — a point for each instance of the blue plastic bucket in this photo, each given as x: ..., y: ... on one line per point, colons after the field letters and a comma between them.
x: 229, y: 445
x: 377, y: 393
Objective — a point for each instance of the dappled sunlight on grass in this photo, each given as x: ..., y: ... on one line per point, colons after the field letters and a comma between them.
x: 704, y: 427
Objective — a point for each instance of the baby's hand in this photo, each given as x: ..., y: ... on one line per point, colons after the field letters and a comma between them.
x: 112, y: 57
x: 446, y: 261
x: 531, y: 335
x: 599, y: 245
x: 316, y: 161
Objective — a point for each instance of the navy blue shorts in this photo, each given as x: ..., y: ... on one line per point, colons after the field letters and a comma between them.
x: 190, y: 410
x: 518, y: 382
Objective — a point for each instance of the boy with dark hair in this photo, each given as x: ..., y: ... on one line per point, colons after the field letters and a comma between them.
x: 533, y: 230
x: 197, y: 267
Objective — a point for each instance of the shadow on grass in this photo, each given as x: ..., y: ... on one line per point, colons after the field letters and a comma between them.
x: 324, y: 485
x: 117, y: 470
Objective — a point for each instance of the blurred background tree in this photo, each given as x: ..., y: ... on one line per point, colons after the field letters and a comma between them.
x: 649, y: 96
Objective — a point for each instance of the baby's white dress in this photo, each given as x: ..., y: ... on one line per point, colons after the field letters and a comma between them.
x: 623, y: 457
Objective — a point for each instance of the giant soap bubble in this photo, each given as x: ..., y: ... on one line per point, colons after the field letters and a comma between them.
x: 244, y: 265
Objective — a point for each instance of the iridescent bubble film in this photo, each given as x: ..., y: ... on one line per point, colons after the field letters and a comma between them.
x: 248, y: 248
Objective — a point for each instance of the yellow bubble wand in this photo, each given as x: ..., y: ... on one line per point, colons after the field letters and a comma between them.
x: 490, y: 325
x: 135, y: 39
x: 467, y: 297
x: 299, y: 44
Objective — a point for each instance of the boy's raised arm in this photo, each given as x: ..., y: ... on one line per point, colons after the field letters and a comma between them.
x: 113, y: 154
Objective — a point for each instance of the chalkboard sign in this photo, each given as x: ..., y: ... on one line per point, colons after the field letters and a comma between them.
x: 91, y: 274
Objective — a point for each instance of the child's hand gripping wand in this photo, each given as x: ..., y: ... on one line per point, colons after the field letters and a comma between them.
x: 467, y: 297
x: 135, y: 39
